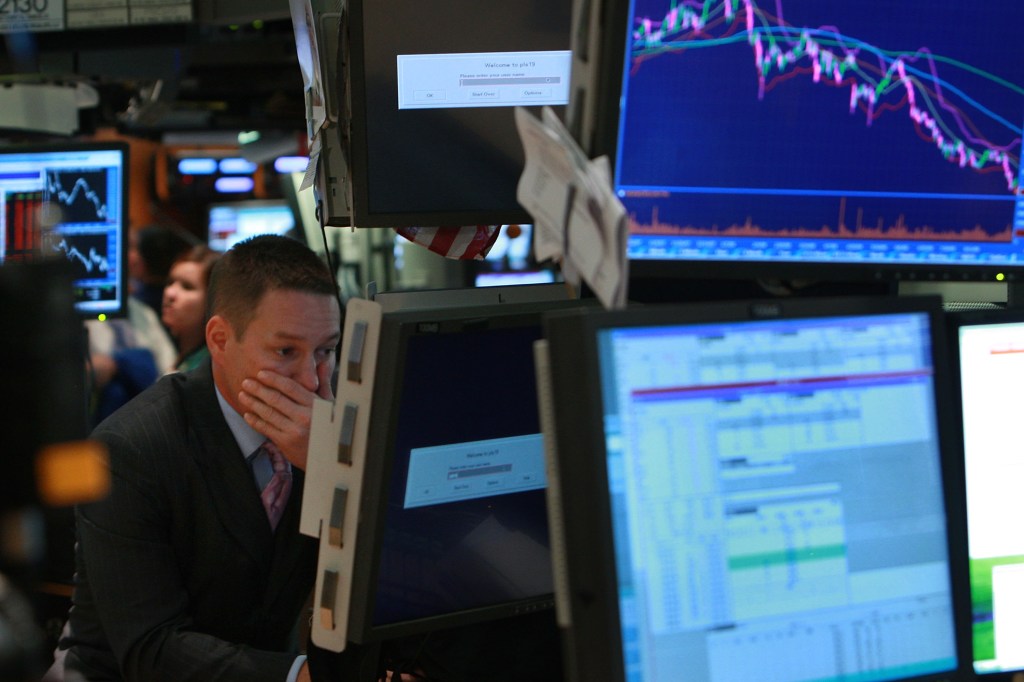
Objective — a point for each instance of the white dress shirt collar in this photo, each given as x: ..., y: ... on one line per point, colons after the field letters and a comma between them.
x: 248, y: 438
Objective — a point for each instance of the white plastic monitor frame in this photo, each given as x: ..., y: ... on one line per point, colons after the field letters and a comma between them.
x: 334, y: 472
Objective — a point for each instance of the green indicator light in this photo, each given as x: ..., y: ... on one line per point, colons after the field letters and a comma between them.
x: 1000, y: 277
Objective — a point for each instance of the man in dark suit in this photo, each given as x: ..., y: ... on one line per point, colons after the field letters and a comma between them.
x: 180, y: 574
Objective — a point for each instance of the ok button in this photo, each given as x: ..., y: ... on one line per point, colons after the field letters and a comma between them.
x: 429, y: 95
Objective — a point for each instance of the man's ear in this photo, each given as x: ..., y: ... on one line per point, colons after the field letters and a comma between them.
x: 218, y: 331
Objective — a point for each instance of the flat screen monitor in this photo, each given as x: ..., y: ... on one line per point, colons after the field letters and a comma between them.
x: 433, y: 90
x: 69, y: 201
x: 505, y: 278
x: 467, y: 297
x: 831, y: 141
x: 231, y: 222
x: 512, y: 249
x: 989, y: 347
x: 510, y: 260
x: 453, y: 519
x: 757, y: 490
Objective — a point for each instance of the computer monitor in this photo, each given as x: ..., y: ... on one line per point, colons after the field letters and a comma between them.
x: 756, y: 490
x: 510, y: 260
x: 469, y: 297
x: 230, y: 222
x: 433, y: 90
x: 453, y: 518
x: 989, y: 347
x: 69, y: 201
x: 506, y: 278
x: 512, y: 248
x: 799, y: 140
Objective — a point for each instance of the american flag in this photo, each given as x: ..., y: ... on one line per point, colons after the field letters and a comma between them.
x: 468, y: 242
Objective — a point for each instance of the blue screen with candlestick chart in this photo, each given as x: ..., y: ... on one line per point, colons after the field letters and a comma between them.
x: 883, y: 138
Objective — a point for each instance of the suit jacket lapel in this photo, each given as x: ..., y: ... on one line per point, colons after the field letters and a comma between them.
x: 230, y: 484
x: 293, y: 551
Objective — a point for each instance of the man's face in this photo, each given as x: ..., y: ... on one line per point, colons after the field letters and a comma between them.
x: 293, y: 333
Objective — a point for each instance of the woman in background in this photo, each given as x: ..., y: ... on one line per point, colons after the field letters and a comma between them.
x: 152, y: 251
x: 184, y: 305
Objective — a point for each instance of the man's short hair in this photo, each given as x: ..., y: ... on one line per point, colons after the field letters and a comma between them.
x: 251, y: 268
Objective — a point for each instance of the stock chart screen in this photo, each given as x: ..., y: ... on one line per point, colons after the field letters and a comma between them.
x: 796, y: 132
x: 68, y: 203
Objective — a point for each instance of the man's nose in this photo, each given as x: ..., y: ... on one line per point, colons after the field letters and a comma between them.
x: 307, y: 374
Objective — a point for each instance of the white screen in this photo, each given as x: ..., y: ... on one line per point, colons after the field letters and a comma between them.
x: 991, y: 372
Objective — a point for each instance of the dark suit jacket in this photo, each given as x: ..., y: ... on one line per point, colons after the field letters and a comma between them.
x: 178, y: 575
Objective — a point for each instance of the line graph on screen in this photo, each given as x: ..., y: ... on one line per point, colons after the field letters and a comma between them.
x: 80, y: 195
x: 834, y: 108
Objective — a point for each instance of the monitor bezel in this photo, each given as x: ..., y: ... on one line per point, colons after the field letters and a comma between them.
x: 397, y: 327
x: 596, y: 123
x: 124, y: 227
x: 592, y: 642
x: 955, y: 322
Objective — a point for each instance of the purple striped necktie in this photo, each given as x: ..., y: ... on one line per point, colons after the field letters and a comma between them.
x: 275, y: 493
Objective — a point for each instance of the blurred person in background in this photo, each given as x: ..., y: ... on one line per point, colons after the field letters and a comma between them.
x: 184, y: 310
x: 151, y: 252
x: 128, y: 355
